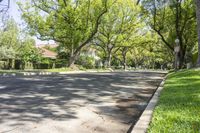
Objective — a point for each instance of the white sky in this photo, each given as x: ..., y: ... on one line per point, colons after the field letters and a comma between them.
x: 15, y: 13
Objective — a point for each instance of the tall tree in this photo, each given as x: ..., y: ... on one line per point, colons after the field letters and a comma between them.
x: 170, y: 20
x: 27, y: 52
x: 120, y: 23
x: 198, y: 28
x: 69, y: 22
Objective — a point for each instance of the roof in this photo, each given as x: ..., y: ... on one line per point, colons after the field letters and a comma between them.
x: 48, y: 45
x: 48, y: 54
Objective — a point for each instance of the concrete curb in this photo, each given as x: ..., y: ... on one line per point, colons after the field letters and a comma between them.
x: 142, y: 124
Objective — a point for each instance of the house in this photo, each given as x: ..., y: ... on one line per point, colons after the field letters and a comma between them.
x: 91, y: 52
x: 46, y: 53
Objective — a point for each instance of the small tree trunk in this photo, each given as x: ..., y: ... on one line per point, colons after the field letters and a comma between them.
x: 124, y: 52
x: 109, y: 59
x: 10, y: 64
x: 124, y: 61
x: 198, y: 29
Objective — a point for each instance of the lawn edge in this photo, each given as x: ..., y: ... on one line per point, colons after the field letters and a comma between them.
x: 143, y: 122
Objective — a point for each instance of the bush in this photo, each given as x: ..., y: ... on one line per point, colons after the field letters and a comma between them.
x: 60, y: 63
x: 194, y: 58
x: 2, y: 64
x: 86, y: 61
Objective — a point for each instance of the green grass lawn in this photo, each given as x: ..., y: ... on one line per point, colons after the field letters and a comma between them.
x: 178, y: 110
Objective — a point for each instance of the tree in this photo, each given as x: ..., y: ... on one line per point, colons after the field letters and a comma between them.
x: 198, y: 28
x: 118, y: 25
x: 9, y: 34
x: 7, y: 53
x: 14, y: 45
x: 9, y: 41
x: 71, y: 23
x: 170, y: 20
x: 28, y: 52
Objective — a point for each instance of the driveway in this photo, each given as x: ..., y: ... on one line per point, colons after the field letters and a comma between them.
x: 75, y: 103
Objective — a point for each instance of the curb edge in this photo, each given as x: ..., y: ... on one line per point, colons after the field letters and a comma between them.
x: 143, y: 122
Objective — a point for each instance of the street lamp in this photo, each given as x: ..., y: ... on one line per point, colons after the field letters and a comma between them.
x: 177, y: 50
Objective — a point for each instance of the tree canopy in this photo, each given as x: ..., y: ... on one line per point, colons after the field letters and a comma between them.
x: 131, y: 32
x: 71, y: 23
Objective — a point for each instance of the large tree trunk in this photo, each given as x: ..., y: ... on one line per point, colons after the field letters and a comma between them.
x: 182, y: 59
x: 71, y: 62
x: 198, y: 29
x: 76, y: 51
x: 72, y: 59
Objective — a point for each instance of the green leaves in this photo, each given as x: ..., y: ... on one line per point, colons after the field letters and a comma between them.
x: 7, y: 53
x: 13, y: 45
x: 28, y: 52
x: 69, y: 22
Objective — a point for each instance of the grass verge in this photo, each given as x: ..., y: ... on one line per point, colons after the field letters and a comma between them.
x: 51, y: 70
x: 178, y: 109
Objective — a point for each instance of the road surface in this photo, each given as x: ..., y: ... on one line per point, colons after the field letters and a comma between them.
x: 75, y: 103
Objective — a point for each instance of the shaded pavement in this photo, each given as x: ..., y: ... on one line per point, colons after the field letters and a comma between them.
x: 86, y: 103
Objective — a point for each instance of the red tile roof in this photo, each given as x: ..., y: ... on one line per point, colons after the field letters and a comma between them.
x: 48, y: 54
x: 48, y: 45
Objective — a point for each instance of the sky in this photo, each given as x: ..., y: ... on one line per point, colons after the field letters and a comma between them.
x: 14, y: 12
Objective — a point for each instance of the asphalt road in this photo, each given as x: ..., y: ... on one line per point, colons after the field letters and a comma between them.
x: 75, y: 103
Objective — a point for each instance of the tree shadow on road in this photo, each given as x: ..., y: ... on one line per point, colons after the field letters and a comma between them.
x: 33, y: 99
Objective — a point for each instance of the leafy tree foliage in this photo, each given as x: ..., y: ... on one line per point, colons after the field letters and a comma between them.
x: 197, y: 2
x: 7, y: 53
x: 121, y: 23
x: 28, y: 52
x: 170, y: 20
x: 72, y: 23
x: 9, y: 40
x: 12, y: 46
x: 123, y: 31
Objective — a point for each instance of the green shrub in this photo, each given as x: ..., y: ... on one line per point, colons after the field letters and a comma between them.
x: 60, y: 63
x: 194, y: 58
x: 86, y: 61
x: 2, y: 64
